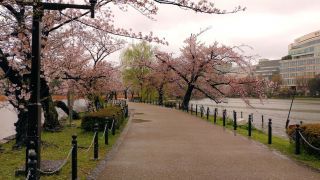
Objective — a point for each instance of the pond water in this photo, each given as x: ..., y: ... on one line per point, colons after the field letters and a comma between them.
x: 9, y: 117
x: 306, y: 110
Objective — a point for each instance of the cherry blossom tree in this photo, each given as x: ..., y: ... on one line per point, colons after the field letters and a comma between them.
x: 207, y: 69
x: 15, y: 44
x: 160, y: 77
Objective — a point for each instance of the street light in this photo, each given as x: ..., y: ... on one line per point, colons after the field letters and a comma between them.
x: 34, y: 106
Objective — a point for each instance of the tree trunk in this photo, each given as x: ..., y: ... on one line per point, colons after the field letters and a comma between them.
x: 160, y: 99
x: 125, y: 94
x: 21, y: 128
x: 115, y: 95
x: 51, y: 121
x: 64, y: 107
x: 187, y: 97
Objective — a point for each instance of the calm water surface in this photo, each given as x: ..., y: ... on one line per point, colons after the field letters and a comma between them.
x: 8, y: 117
x: 304, y: 110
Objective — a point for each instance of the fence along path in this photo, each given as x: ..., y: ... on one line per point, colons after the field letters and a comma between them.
x: 164, y: 143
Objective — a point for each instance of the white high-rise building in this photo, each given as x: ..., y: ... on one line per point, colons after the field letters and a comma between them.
x: 303, y: 61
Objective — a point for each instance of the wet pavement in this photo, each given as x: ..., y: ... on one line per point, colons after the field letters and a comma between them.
x: 163, y: 143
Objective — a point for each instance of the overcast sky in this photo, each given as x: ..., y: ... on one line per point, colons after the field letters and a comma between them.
x: 268, y: 26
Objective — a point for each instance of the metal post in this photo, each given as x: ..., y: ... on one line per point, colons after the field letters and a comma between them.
x: 127, y: 110
x: 34, y: 106
x: 297, y: 150
x: 249, y: 124
x: 262, y: 120
x: 96, y: 143
x: 234, y: 120
x: 201, y: 111
x: 74, y: 157
x: 208, y: 111
x: 270, y: 131
x: 224, y: 117
x: 113, y: 125
x: 196, y: 109
x: 191, y: 108
x: 32, y: 173
x: 106, y: 135
x: 241, y: 115
x: 215, y: 115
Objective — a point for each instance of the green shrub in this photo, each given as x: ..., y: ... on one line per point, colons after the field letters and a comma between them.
x: 102, y: 117
x: 311, y: 132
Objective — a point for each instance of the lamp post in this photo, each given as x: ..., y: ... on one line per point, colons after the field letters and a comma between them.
x: 34, y: 106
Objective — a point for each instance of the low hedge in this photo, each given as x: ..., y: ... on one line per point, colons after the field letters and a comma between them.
x: 102, y: 117
x: 311, y: 132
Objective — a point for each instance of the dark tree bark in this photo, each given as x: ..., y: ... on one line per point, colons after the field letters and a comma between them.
x: 125, y: 94
x: 161, y: 94
x: 21, y: 128
x: 51, y: 121
x: 187, y: 97
x: 64, y: 107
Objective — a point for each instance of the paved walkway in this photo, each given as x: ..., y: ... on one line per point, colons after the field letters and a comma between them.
x: 167, y: 144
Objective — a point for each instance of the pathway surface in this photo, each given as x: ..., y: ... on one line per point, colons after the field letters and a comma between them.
x: 167, y: 144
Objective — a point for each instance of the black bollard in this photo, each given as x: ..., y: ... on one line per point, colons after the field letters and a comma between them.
x: 297, y: 150
x: 196, y: 109
x: 74, y: 170
x: 113, y: 130
x: 270, y: 131
x: 234, y: 120
x: 241, y: 115
x: 262, y: 121
x: 32, y: 173
x: 215, y: 115
x: 201, y: 111
x: 224, y: 113
x: 249, y: 125
x: 96, y: 143
x: 106, y: 134
x: 127, y: 111
x: 179, y: 105
x: 208, y: 112
x: 191, y: 109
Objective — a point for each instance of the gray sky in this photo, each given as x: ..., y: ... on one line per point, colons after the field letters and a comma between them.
x: 268, y: 26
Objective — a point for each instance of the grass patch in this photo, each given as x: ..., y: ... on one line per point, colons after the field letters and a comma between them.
x: 56, y: 146
x: 280, y: 144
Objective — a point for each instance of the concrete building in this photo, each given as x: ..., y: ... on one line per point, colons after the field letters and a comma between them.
x: 267, y: 68
x: 303, y: 61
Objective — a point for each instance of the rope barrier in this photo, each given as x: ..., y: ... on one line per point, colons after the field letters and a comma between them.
x: 304, y: 139
x: 112, y: 123
x: 104, y: 131
x: 60, y: 167
x: 28, y: 176
x: 105, y: 128
x: 91, y: 142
